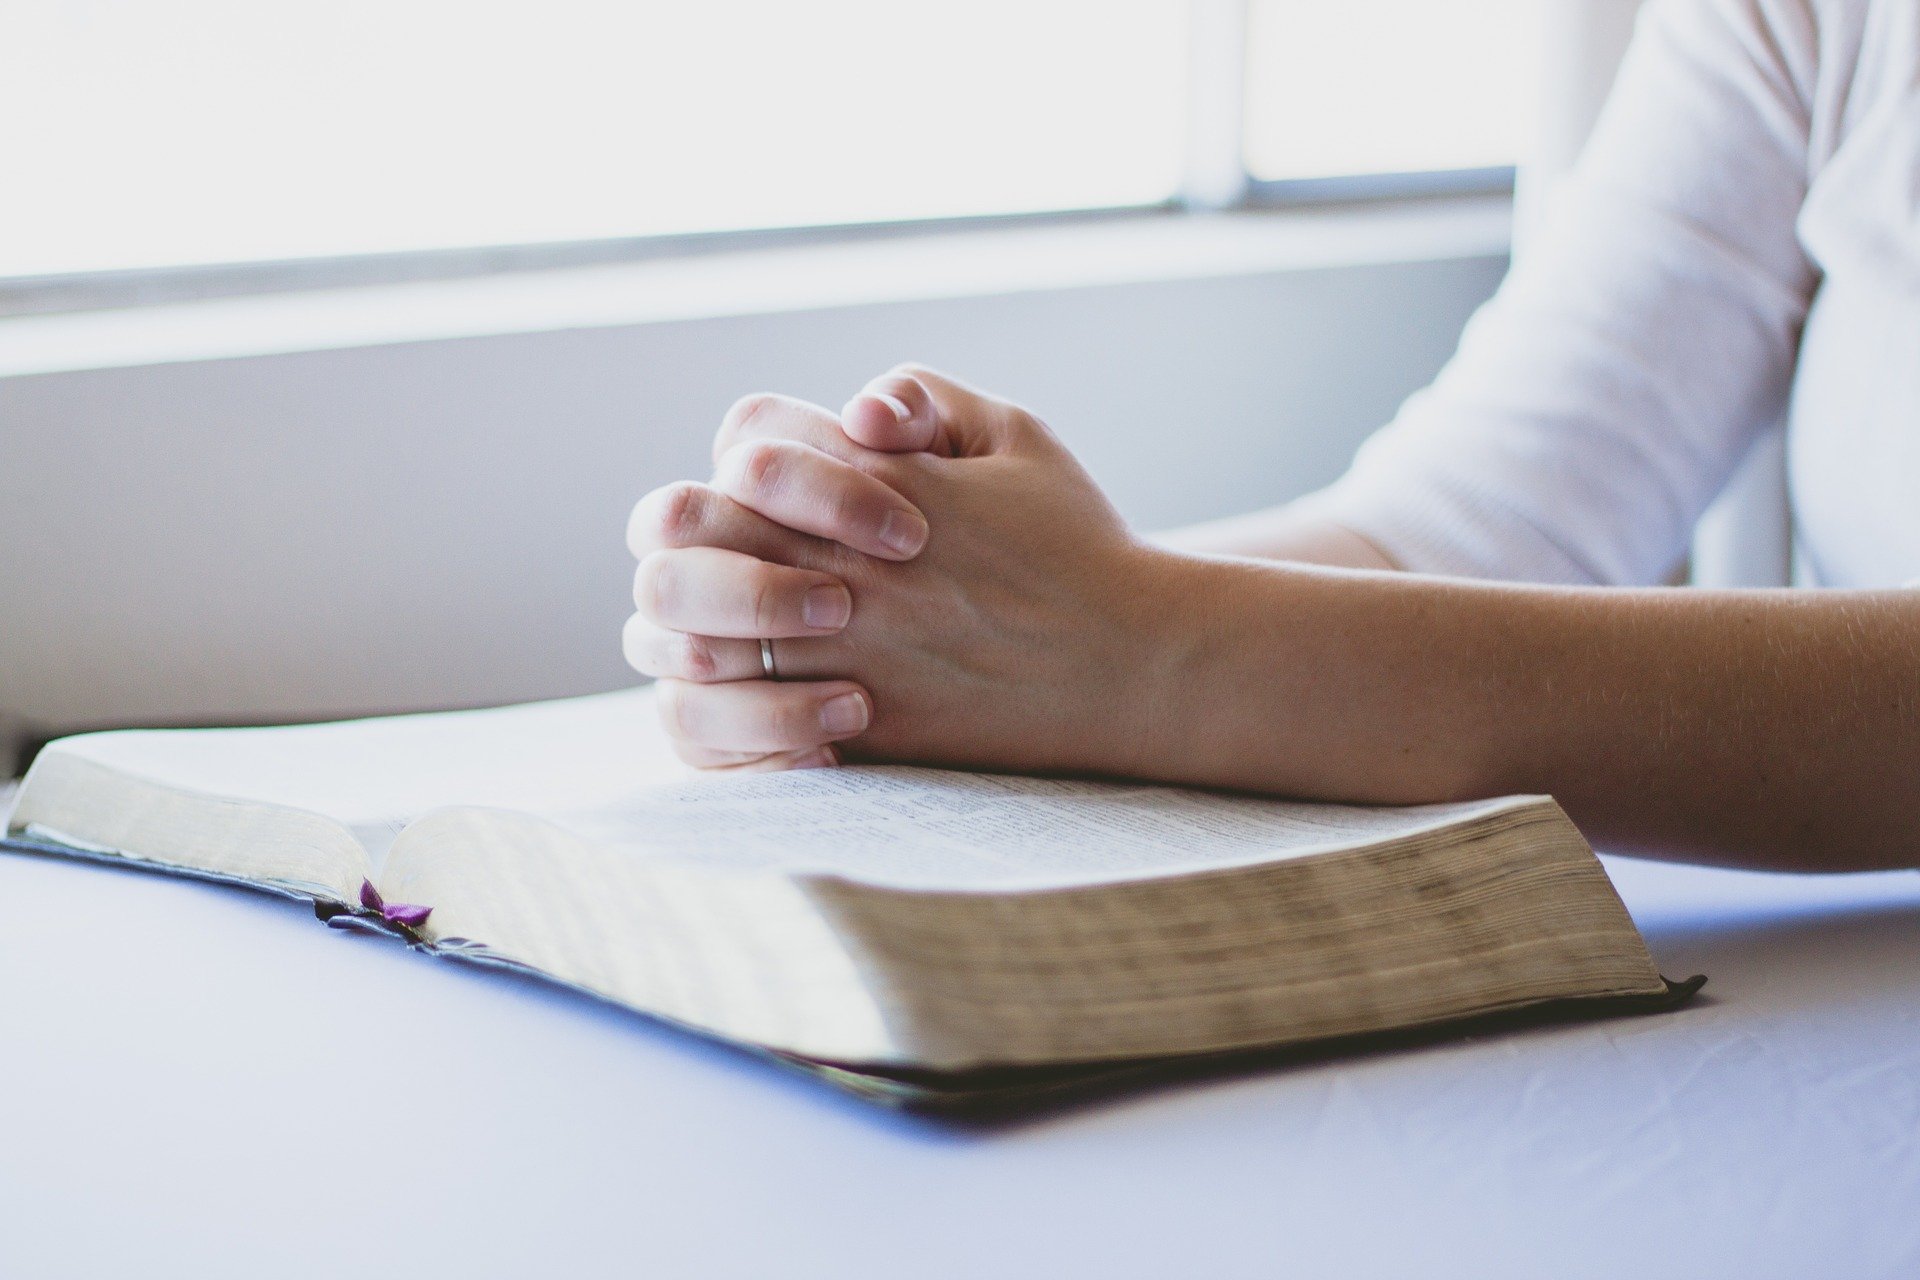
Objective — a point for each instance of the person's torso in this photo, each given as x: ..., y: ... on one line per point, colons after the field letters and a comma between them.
x: 1854, y: 421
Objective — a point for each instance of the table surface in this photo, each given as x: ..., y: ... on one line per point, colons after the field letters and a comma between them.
x: 197, y: 1080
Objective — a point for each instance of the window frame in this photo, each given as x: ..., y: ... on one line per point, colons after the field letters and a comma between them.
x: 1216, y: 179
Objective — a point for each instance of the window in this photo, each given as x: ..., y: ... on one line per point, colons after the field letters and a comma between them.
x: 1387, y: 86
x: 217, y: 130
x: 136, y: 136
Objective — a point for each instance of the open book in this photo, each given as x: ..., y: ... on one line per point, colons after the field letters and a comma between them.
x: 902, y: 929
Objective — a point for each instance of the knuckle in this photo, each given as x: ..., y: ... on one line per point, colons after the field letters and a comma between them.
x: 680, y: 513
x: 1032, y: 424
x: 739, y: 415
x: 697, y: 659
x: 762, y: 466
x: 746, y: 409
x: 763, y: 598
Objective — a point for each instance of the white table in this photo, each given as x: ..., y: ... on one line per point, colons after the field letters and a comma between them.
x: 203, y: 1082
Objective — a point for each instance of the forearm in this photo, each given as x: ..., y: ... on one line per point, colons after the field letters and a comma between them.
x: 1762, y: 728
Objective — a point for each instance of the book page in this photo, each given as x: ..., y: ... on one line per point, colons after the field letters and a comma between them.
x: 596, y: 765
x: 77, y: 805
x: 374, y: 776
x: 936, y: 828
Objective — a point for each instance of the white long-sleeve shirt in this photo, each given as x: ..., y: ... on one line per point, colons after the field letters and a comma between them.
x: 1741, y: 238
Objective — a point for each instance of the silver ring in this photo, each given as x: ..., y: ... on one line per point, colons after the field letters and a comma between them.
x: 766, y: 659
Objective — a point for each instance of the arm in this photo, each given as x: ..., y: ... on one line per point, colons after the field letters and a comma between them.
x: 1643, y: 339
x: 1778, y: 729
x: 1035, y: 633
x: 1593, y: 410
x: 1645, y: 336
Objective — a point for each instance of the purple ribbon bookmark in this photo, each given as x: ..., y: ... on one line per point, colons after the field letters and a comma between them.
x: 408, y: 914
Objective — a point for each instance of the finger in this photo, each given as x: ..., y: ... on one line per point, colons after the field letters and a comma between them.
x: 969, y: 422
x: 785, y: 761
x: 711, y: 592
x: 762, y: 715
x: 802, y: 488
x: 677, y: 655
x: 749, y: 762
x: 893, y: 414
x: 764, y: 416
x: 687, y: 514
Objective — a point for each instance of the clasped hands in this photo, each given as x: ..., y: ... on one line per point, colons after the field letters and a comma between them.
x: 942, y: 583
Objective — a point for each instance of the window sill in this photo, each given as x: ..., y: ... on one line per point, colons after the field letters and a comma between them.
x: 765, y: 281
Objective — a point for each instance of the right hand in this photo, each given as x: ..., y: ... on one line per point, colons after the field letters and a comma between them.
x: 1029, y: 637
x: 791, y: 557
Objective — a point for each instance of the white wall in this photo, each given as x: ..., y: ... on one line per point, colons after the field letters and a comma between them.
x: 440, y: 523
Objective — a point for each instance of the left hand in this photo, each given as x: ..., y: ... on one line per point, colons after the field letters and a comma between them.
x: 1019, y: 638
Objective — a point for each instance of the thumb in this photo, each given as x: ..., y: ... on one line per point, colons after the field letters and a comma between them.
x: 912, y: 409
x: 894, y: 414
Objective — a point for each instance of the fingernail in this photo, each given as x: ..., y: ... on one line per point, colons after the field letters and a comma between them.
x: 900, y: 411
x: 822, y: 758
x: 826, y: 607
x: 844, y: 714
x: 903, y: 534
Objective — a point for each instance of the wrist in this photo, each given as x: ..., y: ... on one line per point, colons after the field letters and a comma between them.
x: 1160, y: 680
x: 1315, y: 682
x: 1269, y: 676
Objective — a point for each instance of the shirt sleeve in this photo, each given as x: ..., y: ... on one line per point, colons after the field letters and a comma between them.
x: 1644, y: 338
